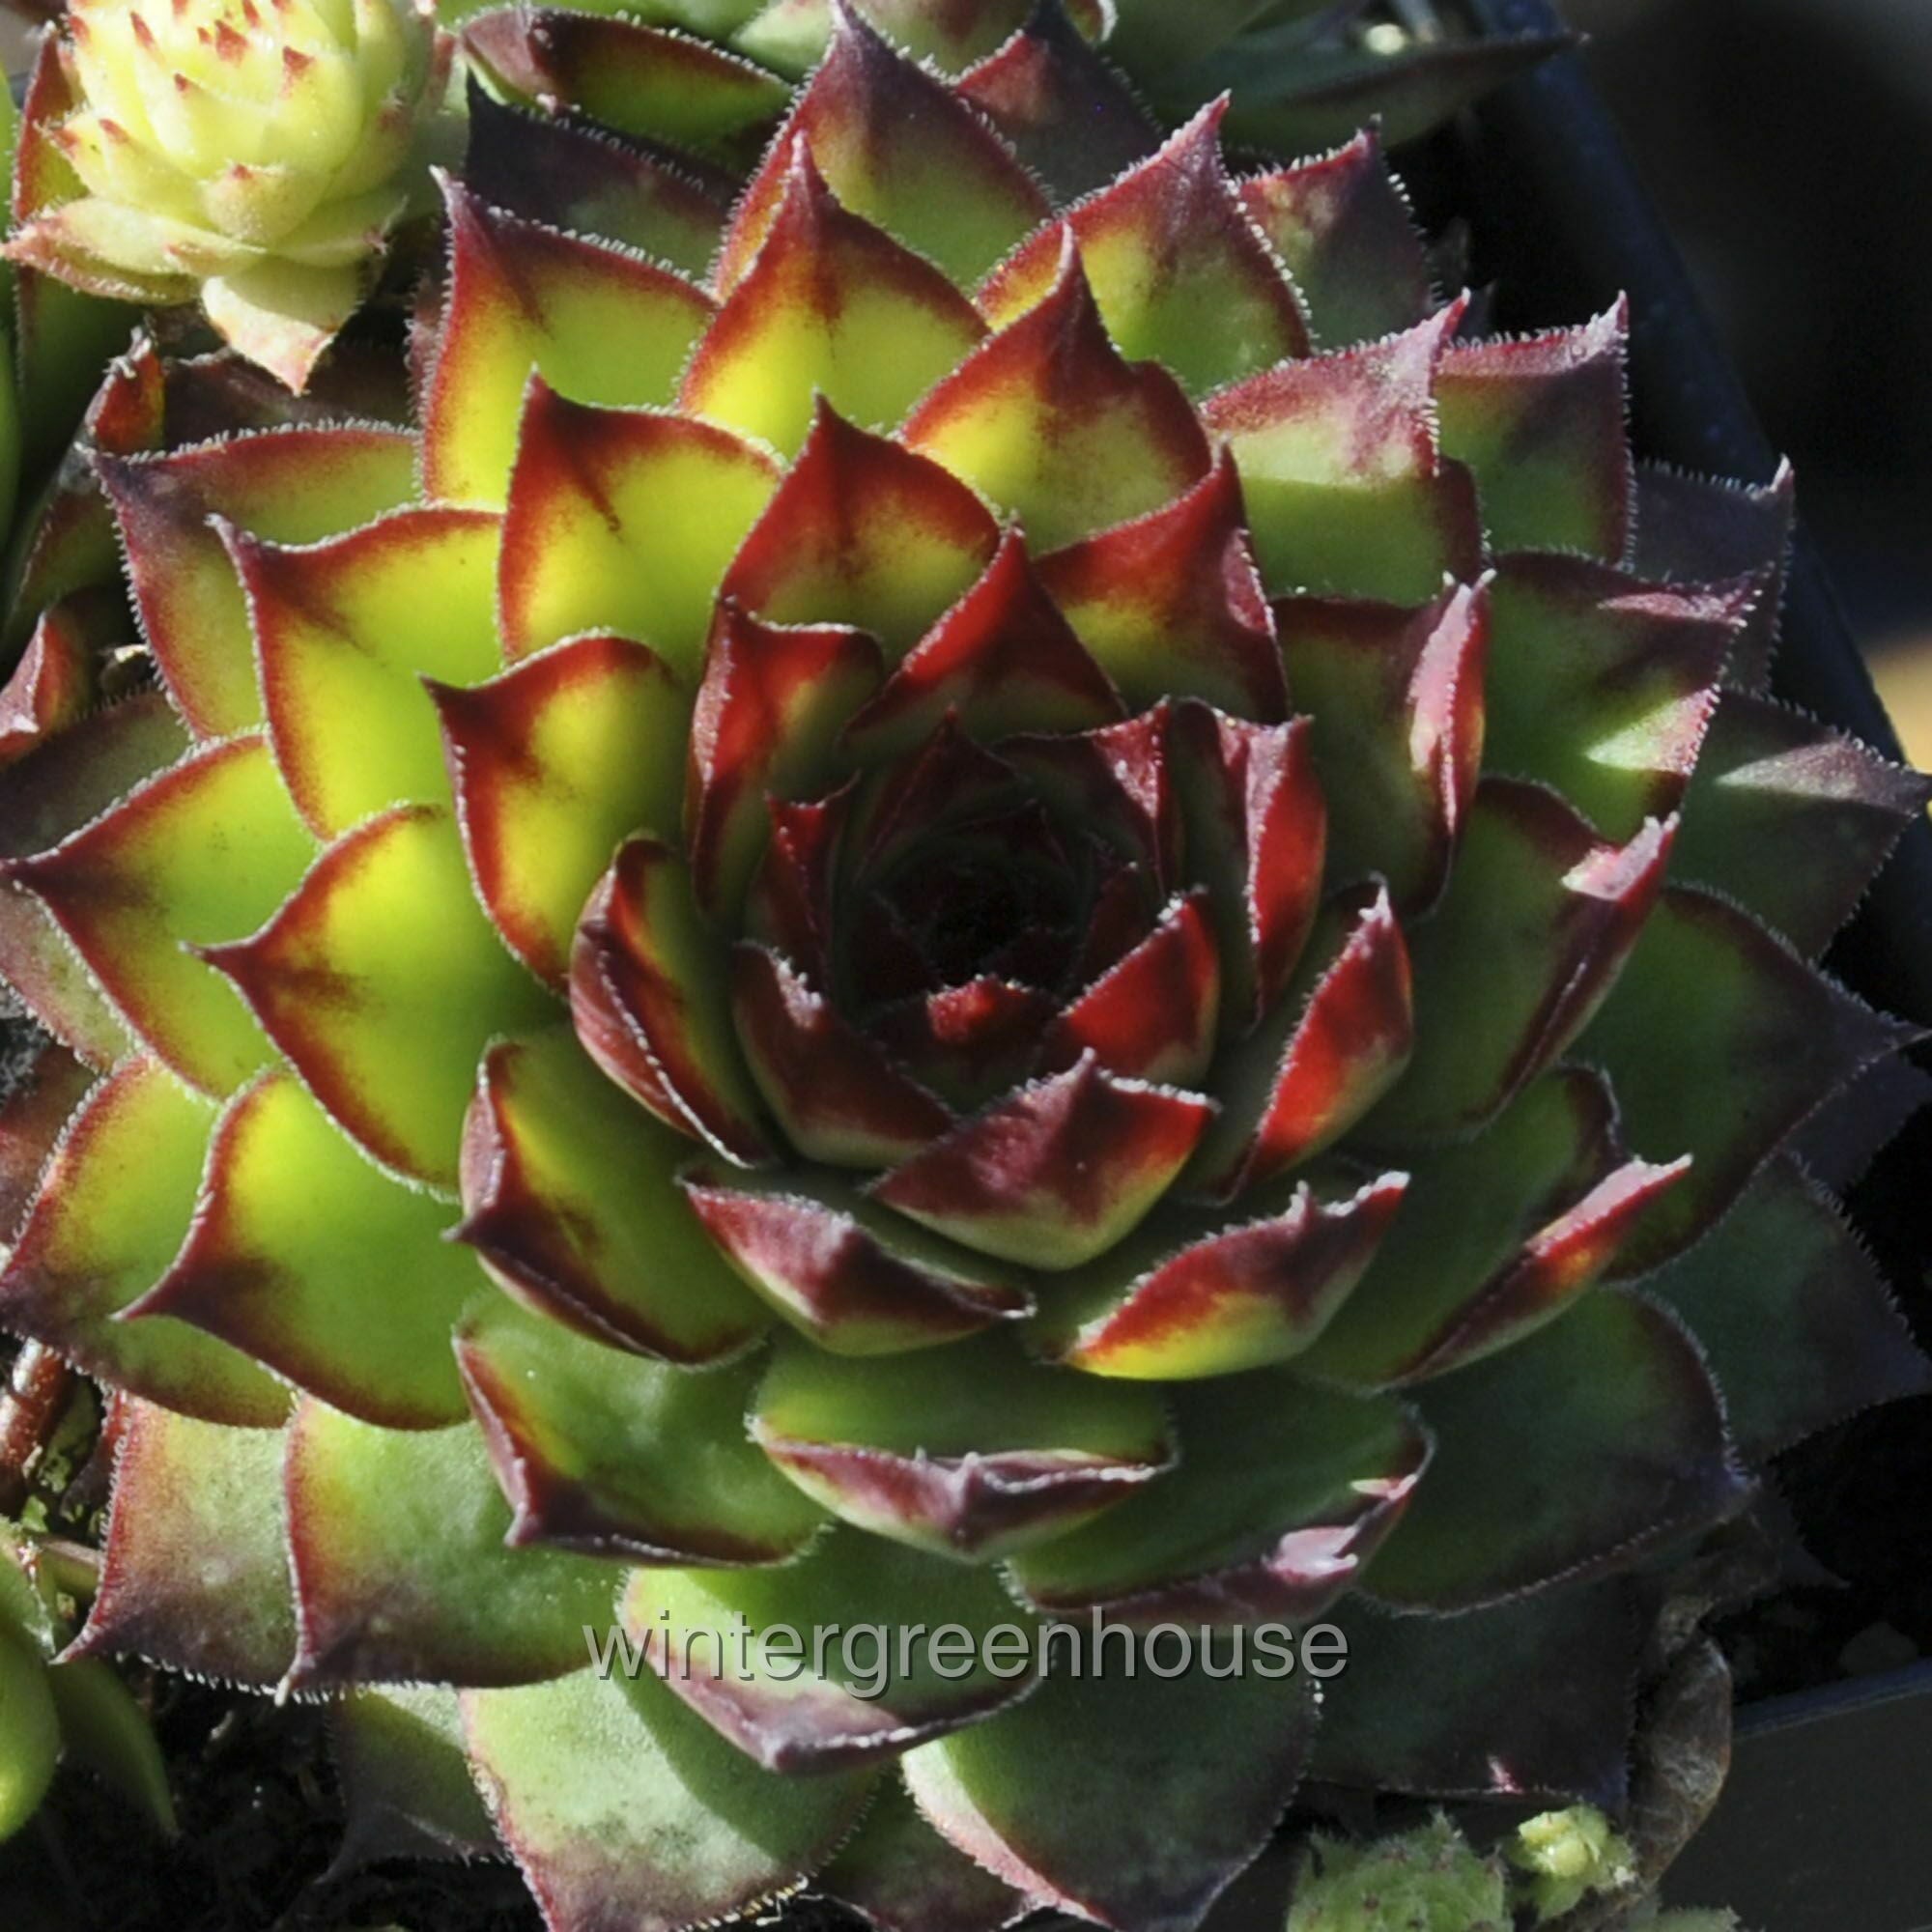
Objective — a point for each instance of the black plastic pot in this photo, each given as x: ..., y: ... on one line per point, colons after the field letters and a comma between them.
x: 1823, y: 1824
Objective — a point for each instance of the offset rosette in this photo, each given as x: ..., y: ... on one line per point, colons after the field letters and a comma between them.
x: 957, y: 926
x: 252, y: 157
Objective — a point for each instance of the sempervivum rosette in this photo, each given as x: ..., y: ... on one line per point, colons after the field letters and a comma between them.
x: 992, y: 931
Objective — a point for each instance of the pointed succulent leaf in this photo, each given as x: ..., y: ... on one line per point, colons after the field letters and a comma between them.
x: 1284, y: 1491
x: 1791, y: 818
x: 307, y: 1258
x: 1527, y: 1701
x: 1343, y: 228
x: 604, y: 1452
x: 623, y: 1807
x: 552, y: 765
x: 770, y: 708
x: 524, y: 297
x: 1603, y: 686
x: 1565, y: 1456
x: 1257, y: 830
x: 839, y: 1096
x: 1347, y: 491
x: 652, y: 1005
x: 41, y: 1097
x: 899, y: 148
x: 569, y: 176
x: 200, y: 852
x: 967, y: 1452
x: 1170, y: 603
x: 856, y: 1279
x: 733, y: 1645
x: 1817, y: 1336
x: 1188, y: 1296
x: 1692, y: 529
x: 52, y: 686
x: 1049, y: 422
x: 1002, y: 662
x: 1395, y: 701
x: 105, y: 1732
x: 285, y: 486
x: 45, y: 795
x: 1500, y: 1234
x: 397, y: 1540
x: 1335, y: 1042
x: 862, y: 531
x: 622, y: 520
x: 1542, y: 424
x: 571, y: 1203
x: 637, y: 79
x: 1064, y: 109
x: 387, y: 1034
x: 113, y: 1209
x: 1055, y: 1174
x: 1720, y: 1041
x: 340, y: 661
x: 1538, y: 922
x: 406, y: 1781
x: 1018, y: 1795
x: 1179, y: 273
x: 832, y: 307
x: 899, y: 1875
x: 195, y: 1575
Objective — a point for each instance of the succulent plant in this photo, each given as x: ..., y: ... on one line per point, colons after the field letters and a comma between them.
x: 252, y: 157
x: 927, y: 915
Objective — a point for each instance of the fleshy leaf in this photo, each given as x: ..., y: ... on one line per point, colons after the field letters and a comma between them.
x: 552, y: 765
x: 1603, y: 686
x: 856, y: 1279
x: 1055, y: 1174
x: 1396, y: 697
x: 306, y: 1258
x: 652, y: 1003
x: 286, y: 486
x: 968, y: 1452
x: 1798, y: 1325
x: 602, y: 1452
x: 571, y: 1203
x: 1347, y: 491
x: 1718, y: 1042
x: 1342, y: 227
x: 524, y: 297
x: 624, y: 1808
x: 623, y: 521
x: 1543, y: 423
x: 113, y: 1209
x: 1020, y: 1795
x: 199, y: 853
x: 1538, y: 921
x: 406, y: 1781
x: 862, y: 531
x: 730, y: 1644
x: 900, y: 149
x: 401, y: 1573
x: 343, y: 633
x: 1599, y: 1439
x: 832, y: 307
x: 1283, y: 1492
x: 41, y: 1097
x: 899, y: 1875
x: 283, y: 314
x: 1179, y: 273
x: 1170, y: 603
x: 195, y: 1573
x: 1527, y: 1701
x: 54, y: 790
x: 1335, y: 1042
x: 1188, y: 1296
x: 1791, y: 818
x: 1500, y: 1234
x: 52, y: 686
x: 1048, y: 422
x: 385, y: 1028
